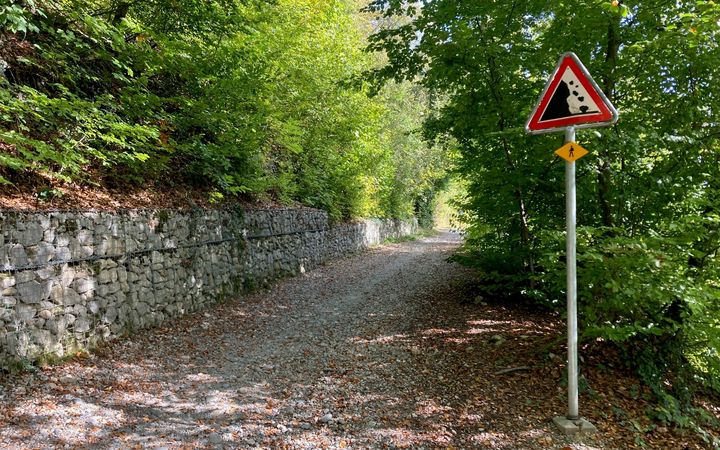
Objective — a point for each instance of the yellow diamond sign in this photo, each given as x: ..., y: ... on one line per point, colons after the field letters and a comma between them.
x: 571, y: 152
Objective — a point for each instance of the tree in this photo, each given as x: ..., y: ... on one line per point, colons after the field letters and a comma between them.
x: 248, y: 98
x: 648, y: 200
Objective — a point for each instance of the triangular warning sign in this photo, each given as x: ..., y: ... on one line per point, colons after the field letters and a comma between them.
x: 571, y: 98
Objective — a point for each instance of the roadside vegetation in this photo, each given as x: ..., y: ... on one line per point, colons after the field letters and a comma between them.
x: 649, y: 198
x: 241, y: 99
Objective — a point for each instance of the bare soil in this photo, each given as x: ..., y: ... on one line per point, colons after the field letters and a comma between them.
x: 32, y: 191
x: 381, y: 350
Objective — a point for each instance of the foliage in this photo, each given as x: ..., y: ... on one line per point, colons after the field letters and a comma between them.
x: 238, y: 97
x: 448, y: 213
x: 648, y: 192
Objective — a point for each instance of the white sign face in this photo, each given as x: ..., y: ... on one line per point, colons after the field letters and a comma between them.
x: 579, y: 101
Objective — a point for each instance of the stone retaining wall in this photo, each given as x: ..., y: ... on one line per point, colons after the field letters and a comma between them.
x: 70, y: 279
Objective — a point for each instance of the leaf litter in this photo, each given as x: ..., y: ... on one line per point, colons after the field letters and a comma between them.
x: 384, y: 350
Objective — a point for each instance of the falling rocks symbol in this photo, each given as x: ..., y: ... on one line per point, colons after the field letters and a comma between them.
x: 569, y: 99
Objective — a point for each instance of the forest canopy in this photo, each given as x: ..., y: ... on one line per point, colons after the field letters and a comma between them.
x: 247, y: 99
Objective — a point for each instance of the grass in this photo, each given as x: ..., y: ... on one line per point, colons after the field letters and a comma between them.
x: 423, y: 233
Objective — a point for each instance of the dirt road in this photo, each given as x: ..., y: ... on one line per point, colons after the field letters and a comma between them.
x: 375, y: 351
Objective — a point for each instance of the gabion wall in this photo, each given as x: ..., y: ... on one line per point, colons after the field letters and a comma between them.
x: 70, y: 279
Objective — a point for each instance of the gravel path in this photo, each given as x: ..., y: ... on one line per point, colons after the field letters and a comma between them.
x: 375, y: 351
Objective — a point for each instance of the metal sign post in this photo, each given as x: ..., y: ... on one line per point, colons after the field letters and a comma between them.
x: 571, y: 100
x: 570, y: 222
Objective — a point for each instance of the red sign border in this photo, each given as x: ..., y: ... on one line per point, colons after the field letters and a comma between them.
x: 607, y: 115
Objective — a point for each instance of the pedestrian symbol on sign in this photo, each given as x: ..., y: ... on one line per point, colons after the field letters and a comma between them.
x: 571, y: 152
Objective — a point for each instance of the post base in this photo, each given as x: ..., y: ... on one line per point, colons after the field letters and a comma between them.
x: 572, y: 427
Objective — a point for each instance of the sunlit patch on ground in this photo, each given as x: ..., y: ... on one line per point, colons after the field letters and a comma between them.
x: 430, y: 408
x: 487, y: 323
x: 436, y: 331
x: 380, y: 340
x: 489, y: 440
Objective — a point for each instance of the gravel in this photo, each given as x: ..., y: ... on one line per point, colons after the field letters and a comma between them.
x: 366, y: 352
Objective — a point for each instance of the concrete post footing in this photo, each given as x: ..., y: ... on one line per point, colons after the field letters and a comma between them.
x: 571, y: 427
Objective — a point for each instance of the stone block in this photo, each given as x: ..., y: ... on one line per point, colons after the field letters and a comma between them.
x: 102, y: 229
x: 57, y: 325
x: 78, y: 310
x: 47, y: 305
x: 115, y: 246
x: 83, y: 285
x: 6, y: 280
x: 32, y: 235
x: 122, y: 275
x: 4, y: 258
x: 133, y: 318
x: 42, y: 338
x: 70, y: 297
x: 142, y: 309
x: 49, y: 235
x: 24, y: 276
x: 57, y: 293
x: 103, y: 247
x: 157, y: 258
x: 31, y: 292
x: 17, y: 255
x: 76, y: 250
x: 17, y: 344
x: 108, y: 263
x: 62, y: 240
x: 67, y: 276
x: 46, y: 272
x: 9, y: 292
x: 107, y: 276
x: 85, y: 237
x: 81, y: 325
x: 25, y: 313
x: 44, y: 252
x: 43, y: 220
x: 107, y: 289
x: 131, y: 245
x: 62, y: 253
x: 132, y: 277
x: 111, y: 314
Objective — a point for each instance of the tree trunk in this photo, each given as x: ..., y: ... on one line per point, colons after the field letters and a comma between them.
x: 604, y: 162
x: 119, y: 12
